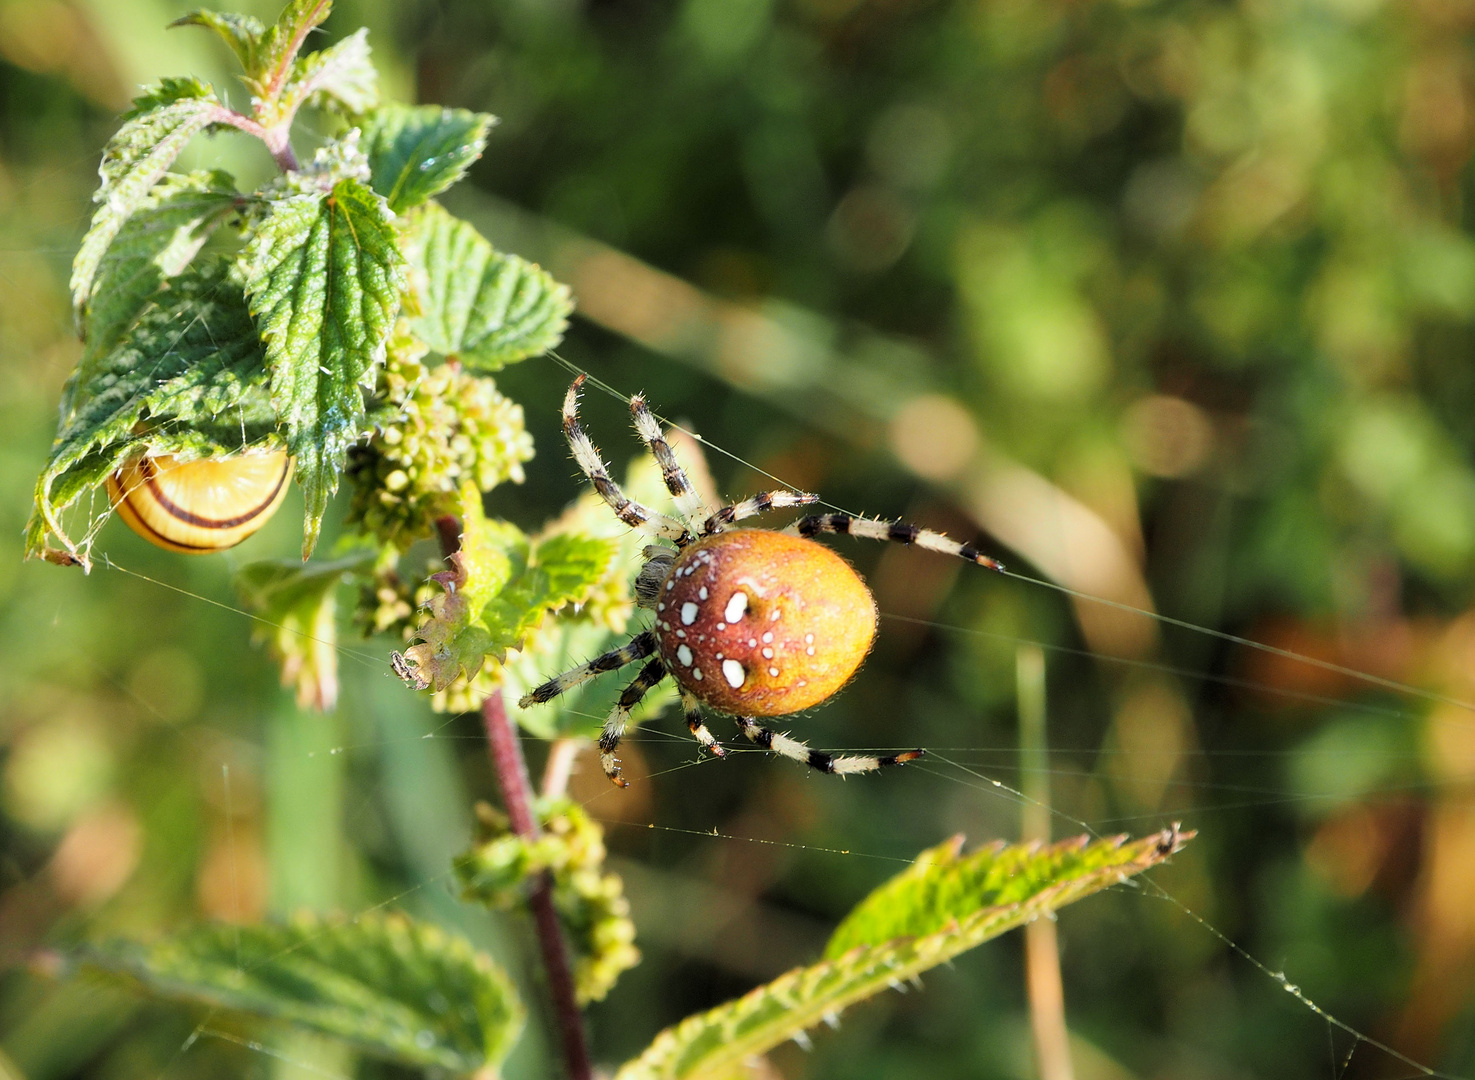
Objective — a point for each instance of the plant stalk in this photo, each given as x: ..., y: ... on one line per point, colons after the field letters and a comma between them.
x: 1041, y: 947
x: 517, y: 797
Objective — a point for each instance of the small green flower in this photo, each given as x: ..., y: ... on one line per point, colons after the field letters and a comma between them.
x: 436, y: 427
x: 590, y: 903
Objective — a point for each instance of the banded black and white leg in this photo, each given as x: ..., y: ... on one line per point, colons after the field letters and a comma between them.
x: 614, y: 727
x: 688, y: 503
x: 697, y: 725
x: 637, y: 648
x: 761, y: 503
x: 897, y: 531
x: 592, y: 464
x: 777, y: 742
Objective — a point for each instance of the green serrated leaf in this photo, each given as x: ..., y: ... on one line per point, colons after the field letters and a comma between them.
x: 477, y: 304
x: 241, y: 32
x: 188, y: 378
x: 169, y: 90
x: 501, y: 587
x: 394, y: 987
x: 341, y: 77
x: 417, y: 151
x: 163, y: 120
x: 281, y: 42
x: 158, y: 241
x: 562, y: 571
x: 861, y: 964
x: 298, y: 607
x: 324, y: 277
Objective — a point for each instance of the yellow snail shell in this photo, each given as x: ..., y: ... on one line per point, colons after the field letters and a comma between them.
x: 197, y: 507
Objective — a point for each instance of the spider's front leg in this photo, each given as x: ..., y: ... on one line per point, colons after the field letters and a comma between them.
x: 637, y: 648
x: 777, y: 742
x: 627, y: 510
x: 688, y: 502
x: 896, y: 531
x: 752, y: 507
x: 614, y: 727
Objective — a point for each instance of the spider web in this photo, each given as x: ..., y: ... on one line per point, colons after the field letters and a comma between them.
x: 962, y: 766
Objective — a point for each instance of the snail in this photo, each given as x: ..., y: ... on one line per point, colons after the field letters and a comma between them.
x: 197, y: 507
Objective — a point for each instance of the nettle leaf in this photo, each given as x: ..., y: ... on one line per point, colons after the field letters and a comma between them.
x: 241, y: 32
x: 324, y: 277
x: 298, y: 605
x: 281, y: 42
x: 417, y: 151
x: 500, y: 588
x: 341, y: 76
x: 163, y: 120
x: 158, y: 241
x: 943, y: 905
x: 394, y: 987
x: 188, y: 378
x: 484, y: 307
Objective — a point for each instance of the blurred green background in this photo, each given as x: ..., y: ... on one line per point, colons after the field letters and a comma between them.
x: 1170, y: 302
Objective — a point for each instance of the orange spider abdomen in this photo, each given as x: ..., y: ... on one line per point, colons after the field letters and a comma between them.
x: 761, y: 623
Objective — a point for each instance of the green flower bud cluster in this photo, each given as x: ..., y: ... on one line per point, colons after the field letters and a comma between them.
x: 590, y: 903
x: 436, y: 427
x: 391, y: 603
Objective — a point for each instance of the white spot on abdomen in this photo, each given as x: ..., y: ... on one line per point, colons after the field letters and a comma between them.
x: 735, y: 607
x: 733, y: 672
x: 689, y: 612
x: 683, y: 653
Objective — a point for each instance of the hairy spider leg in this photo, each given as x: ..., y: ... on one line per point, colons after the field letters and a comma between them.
x: 688, y: 502
x: 898, y: 531
x: 637, y: 648
x: 752, y: 507
x: 628, y: 511
x: 697, y: 725
x: 841, y: 765
x: 619, y: 716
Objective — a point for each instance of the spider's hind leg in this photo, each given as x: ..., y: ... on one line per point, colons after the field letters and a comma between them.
x: 614, y: 727
x: 842, y: 765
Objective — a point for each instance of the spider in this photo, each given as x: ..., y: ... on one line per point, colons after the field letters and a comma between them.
x: 752, y: 622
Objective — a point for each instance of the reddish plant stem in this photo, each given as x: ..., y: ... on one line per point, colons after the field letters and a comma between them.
x: 517, y: 796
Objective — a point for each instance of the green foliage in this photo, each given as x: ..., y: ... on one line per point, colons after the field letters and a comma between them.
x: 483, y: 307
x: 297, y: 606
x: 158, y: 241
x: 279, y: 47
x: 164, y: 118
x: 242, y: 33
x: 324, y: 278
x: 340, y: 76
x: 500, y: 588
x: 943, y: 905
x: 435, y: 427
x: 417, y: 151
x: 591, y: 904
x: 189, y: 379
x: 392, y: 986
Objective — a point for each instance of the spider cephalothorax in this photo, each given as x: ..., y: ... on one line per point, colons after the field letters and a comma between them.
x: 751, y: 622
